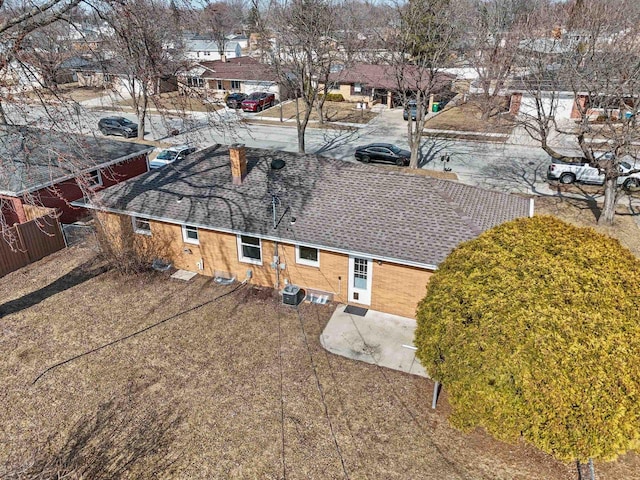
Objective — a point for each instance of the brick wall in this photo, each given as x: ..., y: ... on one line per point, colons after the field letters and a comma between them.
x: 396, y: 288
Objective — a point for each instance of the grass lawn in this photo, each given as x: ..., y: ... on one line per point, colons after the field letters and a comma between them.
x: 173, y: 101
x: 228, y: 387
x: 584, y: 213
x: 468, y: 118
x: 68, y: 91
x: 333, y: 112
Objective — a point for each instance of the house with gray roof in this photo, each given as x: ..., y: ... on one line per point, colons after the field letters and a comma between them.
x: 343, y: 231
x: 52, y: 169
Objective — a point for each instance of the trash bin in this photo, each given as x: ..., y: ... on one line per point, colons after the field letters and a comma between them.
x: 435, y: 107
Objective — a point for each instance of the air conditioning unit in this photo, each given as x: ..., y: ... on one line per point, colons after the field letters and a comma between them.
x: 292, y: 295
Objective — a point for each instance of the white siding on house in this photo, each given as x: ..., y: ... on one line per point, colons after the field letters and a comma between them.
x: 562, y: 105
x: 249, y: 87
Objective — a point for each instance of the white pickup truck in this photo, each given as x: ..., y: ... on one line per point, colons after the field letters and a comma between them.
x: 565, y: 172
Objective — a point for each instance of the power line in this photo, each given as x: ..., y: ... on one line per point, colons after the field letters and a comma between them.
x: 322, y: 397
x: 121, y: 339
x: 406, y: 408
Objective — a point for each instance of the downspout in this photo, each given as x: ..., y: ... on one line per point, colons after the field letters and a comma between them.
x: 276, y: 258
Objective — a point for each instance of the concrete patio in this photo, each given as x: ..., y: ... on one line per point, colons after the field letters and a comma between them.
x: 378, y: 338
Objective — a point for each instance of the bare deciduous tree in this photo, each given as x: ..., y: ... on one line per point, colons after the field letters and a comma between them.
x: 303, y: 53
x: 17, y: 21
x: 143, y: 31
x: 591, y: 70
x: 421, y: 46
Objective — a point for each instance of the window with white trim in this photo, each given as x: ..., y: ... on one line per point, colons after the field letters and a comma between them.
x: 307, y: 256
x: 195, y: 82
x: 220, y: 85
x: 141, y: 226
x: 94, y: 178
x: 235, y: 84
x: 249, y: 249
x: 357, y: 87
x: 190, y: 234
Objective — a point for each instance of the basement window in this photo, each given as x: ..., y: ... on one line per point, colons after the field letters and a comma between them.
x: 307, y: 256
x: 141, y: 226
x: 249, y: 249
x: 190, y: 234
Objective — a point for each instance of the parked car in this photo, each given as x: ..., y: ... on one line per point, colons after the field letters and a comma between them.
x: 565, y: 172
x: 234, y: 100
x: 118, y: 126
x: 258, y: 101
x: 411, y: 108
x: 170, y: 155
x: 383, y: 152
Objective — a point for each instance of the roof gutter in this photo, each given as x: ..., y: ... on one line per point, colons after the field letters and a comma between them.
x: 90, y: 169
x: 409, y: 263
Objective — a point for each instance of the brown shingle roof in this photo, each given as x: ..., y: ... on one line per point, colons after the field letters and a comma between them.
x: 239, y: 68
x: 337, y: 205
x: 387, y: 77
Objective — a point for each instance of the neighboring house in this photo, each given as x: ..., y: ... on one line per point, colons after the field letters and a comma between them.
x: 113, y: 74
x: 206, y: 49
x: 371, y: 83
x: 243, y: 74
x: 48, y: 168
x: 557, y: 97
x: 343, y: 231
x: 20, y: 76
x: 242, y: 40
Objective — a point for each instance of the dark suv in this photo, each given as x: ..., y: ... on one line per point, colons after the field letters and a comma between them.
x: 118, y: 126
x: 234, y: 100
x: 410, y: 109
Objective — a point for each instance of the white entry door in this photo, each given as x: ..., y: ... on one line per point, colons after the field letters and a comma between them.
x: 360, y: 272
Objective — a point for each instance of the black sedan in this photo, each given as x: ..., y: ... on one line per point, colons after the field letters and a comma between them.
x: 383, y: 152
x: 234, y: 100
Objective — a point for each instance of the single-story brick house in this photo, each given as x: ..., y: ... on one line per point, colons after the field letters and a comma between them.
x: 376, y: 83
x: 242, y: 74
x: 343, y: 231
x: 50, y: 169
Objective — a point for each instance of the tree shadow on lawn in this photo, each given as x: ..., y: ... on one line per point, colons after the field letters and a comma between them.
x: 78, y: 275
x: 122, y: 436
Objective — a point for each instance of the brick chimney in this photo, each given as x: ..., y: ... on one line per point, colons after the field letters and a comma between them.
x: 238, y: 157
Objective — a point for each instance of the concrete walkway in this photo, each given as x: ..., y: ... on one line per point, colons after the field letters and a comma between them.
x: 378, y: 338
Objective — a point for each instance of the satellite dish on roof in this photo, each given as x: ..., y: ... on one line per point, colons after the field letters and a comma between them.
x: 277, y: 164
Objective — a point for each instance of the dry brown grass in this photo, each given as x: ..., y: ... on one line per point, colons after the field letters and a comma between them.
x: 467, y: 117
x: 201, y: 396
x: 584, y: 213
x: 175, y: 102
x: 333, y: 112
x: 68, y: 91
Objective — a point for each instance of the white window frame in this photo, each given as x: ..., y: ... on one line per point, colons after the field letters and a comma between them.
x: 185, y: 237
x: 136, y: 226
x: 236, y: 82
x: 357, y: 87
x: 99, y: 182
x: 305, y: 261
x: 250, y: 260
x: 220, y: 85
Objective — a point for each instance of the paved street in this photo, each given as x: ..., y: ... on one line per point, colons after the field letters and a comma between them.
x: 504, y: 166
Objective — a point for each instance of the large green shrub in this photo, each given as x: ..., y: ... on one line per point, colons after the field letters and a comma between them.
x: 334, y: 97
x: 533, y: 329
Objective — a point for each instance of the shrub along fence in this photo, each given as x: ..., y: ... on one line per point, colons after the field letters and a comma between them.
x: 30, y: 242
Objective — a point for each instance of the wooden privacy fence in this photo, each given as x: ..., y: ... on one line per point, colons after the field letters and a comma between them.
x: 32, y: 241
